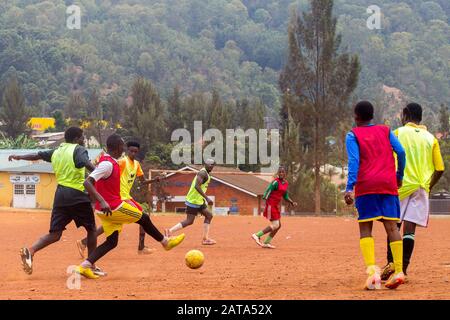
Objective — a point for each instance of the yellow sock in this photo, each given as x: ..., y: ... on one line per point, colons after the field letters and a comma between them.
x: 397, y: 255
x: 367, y: 246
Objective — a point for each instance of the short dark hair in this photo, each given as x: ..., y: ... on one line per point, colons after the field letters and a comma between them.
x: 73, y: 133
x: 413, y: 111
x: 113, y: 142
x: 133, y: 144
x: 364, y: 110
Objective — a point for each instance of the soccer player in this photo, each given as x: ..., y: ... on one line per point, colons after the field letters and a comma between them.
x: 424, y: 169
x: 130, y: 168
x: 374, y: 182
x: 197, y: 201
x: 69, y: 162
x: 277, y: 190
x: 112, y: 210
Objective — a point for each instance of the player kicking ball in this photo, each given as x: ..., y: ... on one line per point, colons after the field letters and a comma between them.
x: 373, y: 182
x: 130, y: 169
x: 112, y: 210
x: 277, y: 190
x: 196, y: 203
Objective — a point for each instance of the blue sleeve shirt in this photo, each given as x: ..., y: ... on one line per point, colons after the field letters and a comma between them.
x: 352, y: 147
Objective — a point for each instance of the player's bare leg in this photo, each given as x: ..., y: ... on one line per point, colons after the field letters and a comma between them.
x: 206, y: 226
x: 84, y: 243
x: 26, y: 254
x: 275, y: 226
x: 181, y: 225
x: 142, y: 249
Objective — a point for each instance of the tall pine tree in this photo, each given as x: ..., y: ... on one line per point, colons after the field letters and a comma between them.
x: 13, y: 112
x: 320, y: 76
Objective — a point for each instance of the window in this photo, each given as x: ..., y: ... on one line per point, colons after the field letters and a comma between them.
x: 19, y: 189
x: 31, y: 189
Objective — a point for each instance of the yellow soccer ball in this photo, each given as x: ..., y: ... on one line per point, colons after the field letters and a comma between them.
x: 194, y: 259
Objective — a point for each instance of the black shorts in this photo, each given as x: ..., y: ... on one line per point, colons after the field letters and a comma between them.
x: 195, y: 211
x: 81, y: 213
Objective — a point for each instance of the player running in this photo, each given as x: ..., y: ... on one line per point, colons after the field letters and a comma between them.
x: 196, y: 202
x: 373, y: 179
x: 112, y: 210
x: 69, y: 162
x: 277, y: 190
x: 424, y: 169
x: 130, y: 169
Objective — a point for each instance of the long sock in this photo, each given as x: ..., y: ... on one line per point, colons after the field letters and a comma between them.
x: 397, y: 253
x: 176, y: 227
x: 150, y: 228
x: 268, y: 239
x: 141, y: 238
x: 408, y: 247
x: 367, y: 246
x: 259, y: 234
x: 389, y: 252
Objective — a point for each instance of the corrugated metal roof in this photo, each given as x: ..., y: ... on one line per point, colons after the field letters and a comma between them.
x: 31, y: 166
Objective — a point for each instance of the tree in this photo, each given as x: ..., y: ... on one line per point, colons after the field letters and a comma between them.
x: 14, y: 114
x: 175, y: 116
x: 114, y: 110
x: 76, y: 106
x: 320, y: 76
x: 144, y: 118
x: 444, y: 121
x: 60, y: 124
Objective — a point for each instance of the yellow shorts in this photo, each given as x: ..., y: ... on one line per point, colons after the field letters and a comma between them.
x: 124, y: 214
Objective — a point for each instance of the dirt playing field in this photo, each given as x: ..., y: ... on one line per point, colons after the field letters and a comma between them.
x: 316, y: 258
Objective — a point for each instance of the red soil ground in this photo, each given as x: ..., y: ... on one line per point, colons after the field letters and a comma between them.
x: 316, y: 258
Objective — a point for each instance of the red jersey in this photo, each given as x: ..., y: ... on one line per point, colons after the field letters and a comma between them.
x: 376, y: 173
x: 109, y: 188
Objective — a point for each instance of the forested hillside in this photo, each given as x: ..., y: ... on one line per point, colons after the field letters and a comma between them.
x: 236, y: 47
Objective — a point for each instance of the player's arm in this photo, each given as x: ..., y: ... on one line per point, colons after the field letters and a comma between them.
x: 289, y: 200
x: 89, y: 185
x: 201, y: 178
x: 41, y: 155
x: 401, y: 157
x: 103, y: 170
x: 353, y: 166
x: 146, y: 182
x: 81, y: 159
x: 438, y: 165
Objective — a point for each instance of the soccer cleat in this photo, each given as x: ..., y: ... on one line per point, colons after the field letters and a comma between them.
x: 81, y: 249
x: 268, y: 246
x: 373, y: 282
x: 86, y: 272
x: 27, y: 260
x: 395, y: 280
x: 257, y: 239
x: 172, y: 242
x: 388, y: 270
x: 146, y: 250
x: 99, y: 272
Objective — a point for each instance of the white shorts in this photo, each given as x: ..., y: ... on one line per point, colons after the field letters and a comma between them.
x: 415, y: 208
